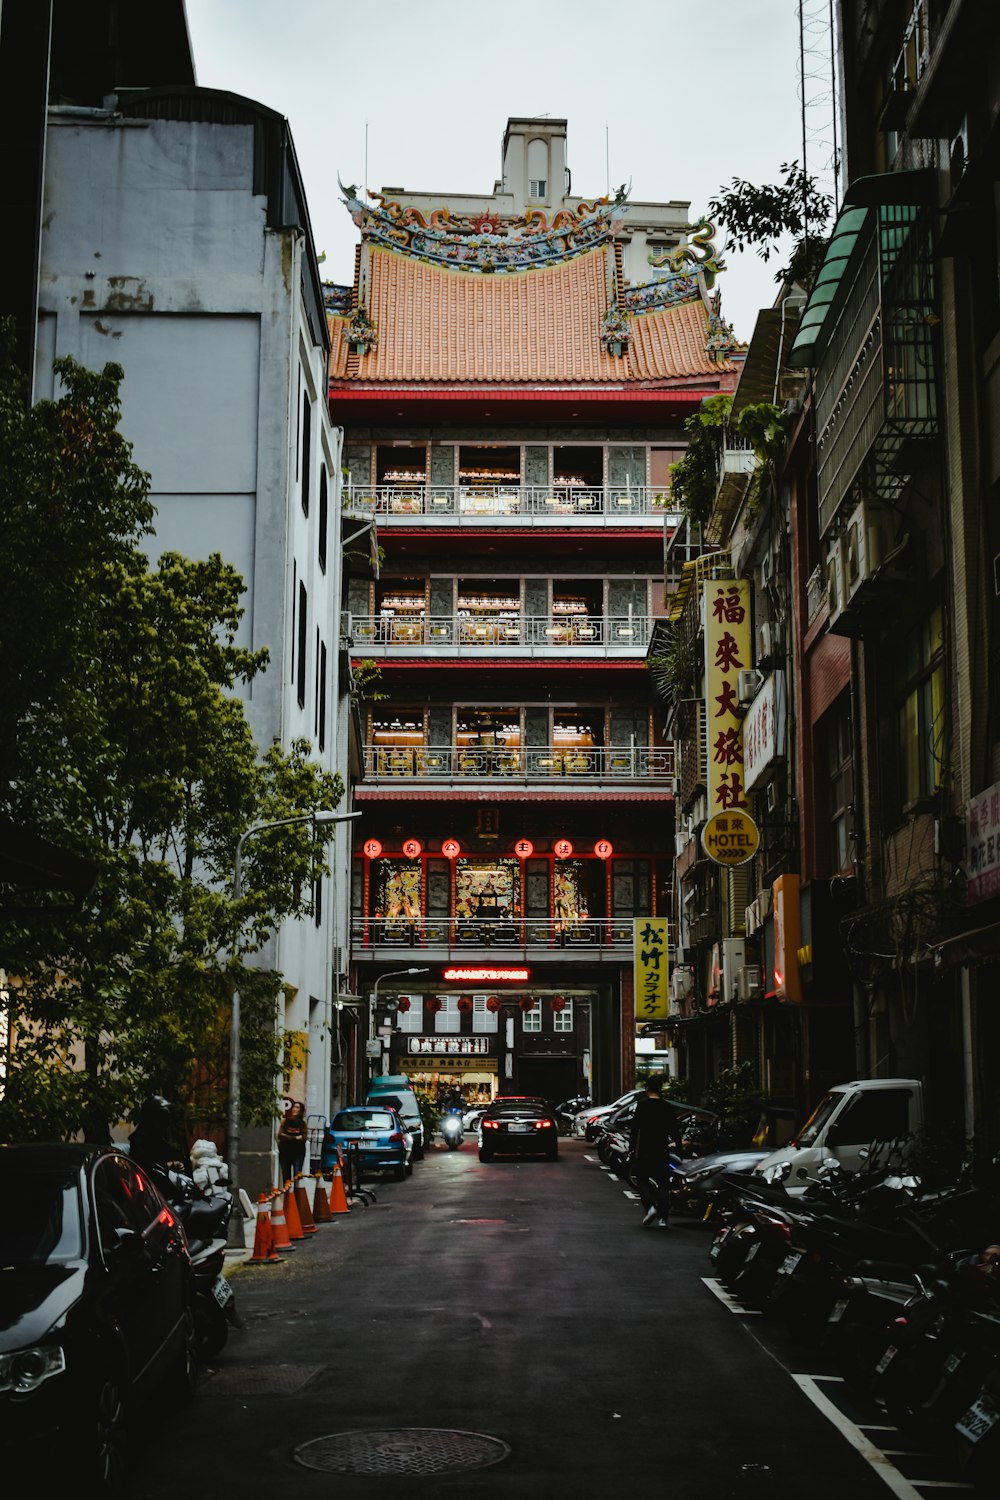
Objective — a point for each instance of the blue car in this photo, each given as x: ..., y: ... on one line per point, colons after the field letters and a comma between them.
x: 384, y: 1144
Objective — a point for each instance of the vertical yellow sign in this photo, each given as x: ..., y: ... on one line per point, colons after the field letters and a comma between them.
x: 727, y: 653
x: 652, y: 969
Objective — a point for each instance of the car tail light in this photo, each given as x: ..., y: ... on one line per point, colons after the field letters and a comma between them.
x: 490, y: 1125
x: 397, y: 1135
x: 543, y: 1124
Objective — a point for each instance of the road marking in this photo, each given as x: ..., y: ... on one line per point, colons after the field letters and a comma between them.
x: 730, y: 1302
x: 875, y: 1457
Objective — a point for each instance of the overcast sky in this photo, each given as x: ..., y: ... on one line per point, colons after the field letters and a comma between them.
x: 678, y: 97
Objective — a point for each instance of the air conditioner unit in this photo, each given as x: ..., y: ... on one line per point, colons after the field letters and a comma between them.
x: 861, y: 547
x: 836, y: 591
x: 747, y: 686
x: 733, y: 960
x: 765, y: 641
x: 681, y: 983
x: 346, y: 628
x: 749, y: 982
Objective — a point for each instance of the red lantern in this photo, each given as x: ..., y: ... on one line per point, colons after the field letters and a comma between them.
x: 562, y: 848
x: 493, y: 1004
x: 451, y: 848
x: 434, y: 1005
x: 524, y: 848
x: 604, y: 848
x: 412, y: 848
x: 465, y: 1004
x: 373, y: 848
x: 526, y: 1003
x: 403, y: 1003
x: 557, y: 1003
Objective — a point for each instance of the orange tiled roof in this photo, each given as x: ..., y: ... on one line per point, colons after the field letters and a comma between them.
x: 537, y: 326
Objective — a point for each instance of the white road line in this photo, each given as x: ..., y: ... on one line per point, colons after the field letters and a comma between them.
x: 730, y: 1302
x: 875, y: 1457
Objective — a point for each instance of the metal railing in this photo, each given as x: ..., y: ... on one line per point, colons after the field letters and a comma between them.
x: 535, y: 503
x: 504, y: 632
x: 544, y: 763
x: 603, y: 934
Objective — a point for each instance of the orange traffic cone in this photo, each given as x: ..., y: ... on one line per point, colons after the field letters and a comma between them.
x: 338, y: 1198
x: 292, y: 1214
x: 263, y: 1241
x: 302, y: 1204
x: 279, y: 1229
x: 321, y: 1202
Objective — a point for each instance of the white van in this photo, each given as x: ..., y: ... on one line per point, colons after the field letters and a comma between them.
x: 845, y: 1126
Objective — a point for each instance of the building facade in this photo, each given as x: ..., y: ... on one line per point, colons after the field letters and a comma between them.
x: 175, y: 240
x: 512, y: 372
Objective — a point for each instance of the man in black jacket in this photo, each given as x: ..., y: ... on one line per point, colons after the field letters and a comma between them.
x: 650, y: 1139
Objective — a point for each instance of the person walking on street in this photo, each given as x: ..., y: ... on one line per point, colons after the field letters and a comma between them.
x: 292, y: 1138
x: 651, y: 1137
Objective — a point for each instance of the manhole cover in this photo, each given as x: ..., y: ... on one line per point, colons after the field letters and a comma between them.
x: 401, y: 1450
x: 258, y: 1380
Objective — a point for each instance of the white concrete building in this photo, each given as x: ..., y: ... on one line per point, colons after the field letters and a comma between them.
x: 176, y: 241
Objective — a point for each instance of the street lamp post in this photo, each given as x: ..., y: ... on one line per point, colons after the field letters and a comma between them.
x: 233, y: 1126
x: 396, y: 974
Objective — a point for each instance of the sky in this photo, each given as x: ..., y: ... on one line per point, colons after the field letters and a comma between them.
x: 675, y: 96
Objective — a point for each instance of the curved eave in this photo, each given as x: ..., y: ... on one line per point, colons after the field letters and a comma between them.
x: 351, y: 399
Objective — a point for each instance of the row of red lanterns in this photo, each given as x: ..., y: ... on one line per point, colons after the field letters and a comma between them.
x: 524, y: 848
x: 493, y: 1003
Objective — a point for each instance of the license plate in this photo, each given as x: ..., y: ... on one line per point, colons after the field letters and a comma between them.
x: 369, y: 1140
x: 953, y: 1361
x: 789, y: 1263
x: 518, y: 1129
x: 713, y: 1254
x: 753, y: 1250
x: 838, y: 1310
x: 886, y: 1360
x: 222, y: 1291
x: 980, y: 1419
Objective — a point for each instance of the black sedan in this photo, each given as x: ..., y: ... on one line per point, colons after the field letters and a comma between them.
x: 95, y: 1313
x: 518, y: 1127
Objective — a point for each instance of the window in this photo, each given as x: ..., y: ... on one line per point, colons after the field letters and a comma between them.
x: 878, y: 1115
x: 449, y: 1017
x: 324, y: 506
x: 302, y: 638
x: 411, y: 1019
x: 322, y: 695
x: 919, y: 669
x: 562, y: 1020
x: 536, y: 187
x: 318, y: 901
x: 306, y: 447
x: 531, y: 1020
x: 483, y: 1019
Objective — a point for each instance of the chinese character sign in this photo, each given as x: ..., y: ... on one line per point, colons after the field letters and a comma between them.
x: 983, y: 846
x: 727, y: 653
x: 652, y: 973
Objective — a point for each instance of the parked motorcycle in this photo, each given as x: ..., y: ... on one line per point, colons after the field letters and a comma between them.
x: 204, y: 1209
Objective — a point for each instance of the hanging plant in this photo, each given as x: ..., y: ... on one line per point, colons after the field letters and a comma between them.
x: 557, y: 1003
x: 493, y: 1004
x: 403, y: 1004
x: 526, y: 1003
x: 434, y: 1005
x: 465, y: 1004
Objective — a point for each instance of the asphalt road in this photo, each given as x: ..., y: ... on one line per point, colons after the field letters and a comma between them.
x: 519, y: 1301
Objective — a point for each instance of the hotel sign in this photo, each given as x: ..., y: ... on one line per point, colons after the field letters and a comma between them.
x: 983, y: 837
x: 727, y: 654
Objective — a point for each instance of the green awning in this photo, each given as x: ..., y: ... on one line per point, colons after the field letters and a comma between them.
x: 862, y: 197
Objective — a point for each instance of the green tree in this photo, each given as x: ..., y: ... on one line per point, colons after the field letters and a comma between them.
x: 124, y: 739
x: 758, y: 217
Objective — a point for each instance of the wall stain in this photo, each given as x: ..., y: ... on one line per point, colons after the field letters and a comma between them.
x: 128, y: 294
x: 114, y: 333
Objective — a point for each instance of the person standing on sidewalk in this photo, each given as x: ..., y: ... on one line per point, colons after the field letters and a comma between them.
x: 650, y: 1139
x: 292, y: 1137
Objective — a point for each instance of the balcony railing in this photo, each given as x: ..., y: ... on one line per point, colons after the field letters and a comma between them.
x: 532, y: 504
x: 621, y: 633
x: 603, y: 935
x: 546, y: 763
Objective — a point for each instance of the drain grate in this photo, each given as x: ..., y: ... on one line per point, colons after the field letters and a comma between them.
x: 258, y: 1380
x: 401, y: 1450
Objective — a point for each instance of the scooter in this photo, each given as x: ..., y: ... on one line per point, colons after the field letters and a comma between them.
x: 204, y: 1210
x: 451, y: 1130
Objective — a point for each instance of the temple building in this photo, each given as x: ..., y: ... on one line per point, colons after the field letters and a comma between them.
x: 512, y: 372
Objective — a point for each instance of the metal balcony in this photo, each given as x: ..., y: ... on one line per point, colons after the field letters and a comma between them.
x: 530, y: 938
x: 524, y: 505
x: 517, y: 634
x: 551, y: 763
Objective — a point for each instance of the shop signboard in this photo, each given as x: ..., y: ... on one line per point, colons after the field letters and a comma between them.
x: 652, y: 969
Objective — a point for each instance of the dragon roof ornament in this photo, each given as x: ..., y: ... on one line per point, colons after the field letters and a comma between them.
x: 484, y: 242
